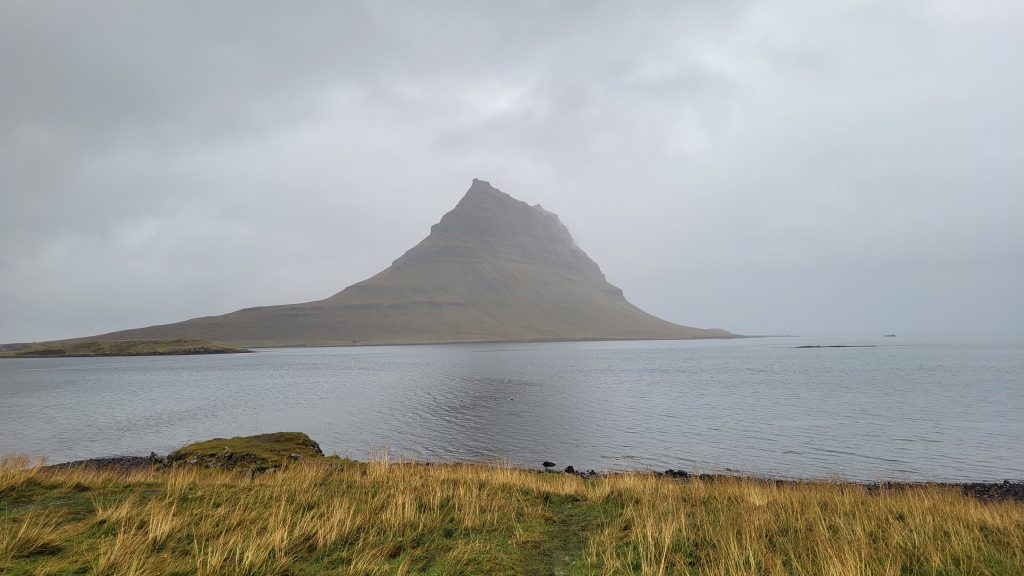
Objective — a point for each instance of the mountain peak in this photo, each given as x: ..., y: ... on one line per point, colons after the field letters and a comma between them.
x: 488, y: 222
x: 483, y: 189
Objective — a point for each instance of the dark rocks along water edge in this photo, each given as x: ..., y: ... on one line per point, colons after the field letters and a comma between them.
x: 267, y: 452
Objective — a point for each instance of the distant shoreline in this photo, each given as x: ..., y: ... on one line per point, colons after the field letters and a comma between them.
x: 22, y: 350
x: 97, y: 348
x: 516, y: 341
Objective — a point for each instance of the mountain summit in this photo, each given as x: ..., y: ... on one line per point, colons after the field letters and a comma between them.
x: 494, y: 268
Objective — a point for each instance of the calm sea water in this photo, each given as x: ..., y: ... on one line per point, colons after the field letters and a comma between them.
x: 912, y: 408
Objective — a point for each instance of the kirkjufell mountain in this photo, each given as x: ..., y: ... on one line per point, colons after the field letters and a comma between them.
x: 493, y: 269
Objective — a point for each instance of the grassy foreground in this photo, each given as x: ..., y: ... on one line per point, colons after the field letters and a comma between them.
x: 330, y: 516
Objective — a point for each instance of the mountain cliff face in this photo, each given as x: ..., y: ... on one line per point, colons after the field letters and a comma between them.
x: 493, y: 269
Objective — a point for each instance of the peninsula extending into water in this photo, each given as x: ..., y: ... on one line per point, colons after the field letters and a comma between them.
x: 93, y: 348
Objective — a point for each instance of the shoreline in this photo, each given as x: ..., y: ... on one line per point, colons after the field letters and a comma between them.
x: 274, y: 503
x: 982, y: 491
x: 118, y: 348
x: 369, y: 343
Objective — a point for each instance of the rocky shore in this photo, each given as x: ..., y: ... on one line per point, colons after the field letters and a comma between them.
x: 984, y: 491
x: 225, y: 457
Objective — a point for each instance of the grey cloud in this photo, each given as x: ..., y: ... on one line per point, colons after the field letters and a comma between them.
x: 757, y: 166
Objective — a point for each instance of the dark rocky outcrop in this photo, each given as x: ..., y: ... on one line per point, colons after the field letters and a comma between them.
x: 260, y: 452
x: 119, y: 463
x: 1005, y: 490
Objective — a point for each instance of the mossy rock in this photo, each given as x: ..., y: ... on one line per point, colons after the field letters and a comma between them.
x: 260, y: 452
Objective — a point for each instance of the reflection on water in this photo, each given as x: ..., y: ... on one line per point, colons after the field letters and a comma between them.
x: 925, y: 409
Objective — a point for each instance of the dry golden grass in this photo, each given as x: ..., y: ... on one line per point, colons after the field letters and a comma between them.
x: 743, y: 526
x: 334, y: 517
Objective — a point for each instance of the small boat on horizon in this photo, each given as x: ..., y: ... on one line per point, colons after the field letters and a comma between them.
x: 890, y: 335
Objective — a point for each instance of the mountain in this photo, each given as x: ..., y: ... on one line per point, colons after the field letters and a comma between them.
x: 494, y: 268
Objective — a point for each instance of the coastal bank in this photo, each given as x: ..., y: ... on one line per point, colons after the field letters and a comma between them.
x: 274, y: 504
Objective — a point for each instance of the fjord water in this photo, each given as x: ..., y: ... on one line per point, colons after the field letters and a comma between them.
x: 936, y: 408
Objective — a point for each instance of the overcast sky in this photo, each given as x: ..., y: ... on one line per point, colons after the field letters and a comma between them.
x: 764, y: 167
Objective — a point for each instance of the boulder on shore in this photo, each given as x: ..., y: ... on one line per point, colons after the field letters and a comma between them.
x: 260, y: 452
